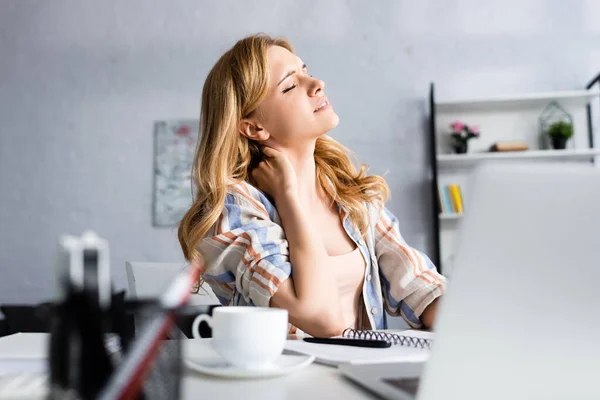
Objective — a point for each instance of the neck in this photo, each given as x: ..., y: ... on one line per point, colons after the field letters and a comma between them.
x: 303, y: 161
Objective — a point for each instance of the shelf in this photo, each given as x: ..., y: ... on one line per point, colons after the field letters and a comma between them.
x: 450, y: 216
x: 474, y: 158
x: 576, y: 97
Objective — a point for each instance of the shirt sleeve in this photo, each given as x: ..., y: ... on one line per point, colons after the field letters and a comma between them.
x: 410, y: 281
x: 246, y: 254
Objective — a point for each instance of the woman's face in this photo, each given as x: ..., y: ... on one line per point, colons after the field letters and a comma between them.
x: 295, y: 109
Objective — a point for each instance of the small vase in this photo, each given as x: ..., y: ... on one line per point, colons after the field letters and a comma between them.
x: 559, y: 142
x: 461, y: 147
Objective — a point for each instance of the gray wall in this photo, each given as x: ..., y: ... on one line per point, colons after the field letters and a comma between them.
x: 81, y: 83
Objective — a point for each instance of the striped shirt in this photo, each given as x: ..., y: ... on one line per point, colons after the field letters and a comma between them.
x: 247, y: 258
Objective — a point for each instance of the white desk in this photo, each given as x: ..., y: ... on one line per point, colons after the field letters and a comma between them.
x: 314, y: 382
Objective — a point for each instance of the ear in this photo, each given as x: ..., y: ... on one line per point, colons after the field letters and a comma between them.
x: 253, y: 130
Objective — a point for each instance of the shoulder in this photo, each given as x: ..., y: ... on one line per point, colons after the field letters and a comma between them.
x: 376, y: 210
x: 246, y: 195
x: 245, y: 208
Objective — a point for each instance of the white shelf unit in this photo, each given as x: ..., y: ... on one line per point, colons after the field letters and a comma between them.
x: 450, y: 216
x: 525, y: 100
x: 449, y: 160
x: 502, y: 118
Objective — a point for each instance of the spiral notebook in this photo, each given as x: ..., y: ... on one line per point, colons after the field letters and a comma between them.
x: 421, y: 340
x: 407, y: 346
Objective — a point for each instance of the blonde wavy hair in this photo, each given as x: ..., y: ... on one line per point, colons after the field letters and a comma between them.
x: 234, y: 88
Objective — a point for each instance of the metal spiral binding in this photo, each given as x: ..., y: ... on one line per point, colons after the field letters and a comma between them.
x: 390, y: 337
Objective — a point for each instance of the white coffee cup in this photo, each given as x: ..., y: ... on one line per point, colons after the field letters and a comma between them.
x: 247, y: 337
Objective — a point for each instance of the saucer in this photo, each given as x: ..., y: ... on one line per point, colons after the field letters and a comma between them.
x: 216, y: 366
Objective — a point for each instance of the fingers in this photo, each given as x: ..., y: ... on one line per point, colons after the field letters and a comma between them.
x: 261, y: 169
x: 270, y: 152
x: 263, y: 165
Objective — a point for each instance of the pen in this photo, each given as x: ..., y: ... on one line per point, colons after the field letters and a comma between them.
x: 127, y: 381
x: 350, y: 342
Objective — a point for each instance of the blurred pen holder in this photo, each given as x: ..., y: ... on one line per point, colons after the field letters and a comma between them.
x: 87, y: 343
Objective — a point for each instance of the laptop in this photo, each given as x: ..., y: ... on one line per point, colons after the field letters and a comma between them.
x: 521, y: 316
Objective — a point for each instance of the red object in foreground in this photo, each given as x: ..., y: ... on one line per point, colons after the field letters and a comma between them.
x: 128, y: 379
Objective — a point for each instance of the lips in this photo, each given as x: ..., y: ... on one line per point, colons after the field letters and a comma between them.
x: 322, y: 103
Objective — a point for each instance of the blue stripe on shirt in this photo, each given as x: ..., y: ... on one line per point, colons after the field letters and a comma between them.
x: 280, y: 261
x: 392, y: 301
x: 226, y: 277
x: 268, y: 205
x: 233, y: 212
x: 222, y: 300
x: 409, y: 313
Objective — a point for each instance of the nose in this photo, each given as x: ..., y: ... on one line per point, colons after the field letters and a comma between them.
x: 316, y: 86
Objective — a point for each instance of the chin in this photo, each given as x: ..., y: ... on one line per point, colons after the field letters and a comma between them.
x: 324, y: 125
x: 332, y: 121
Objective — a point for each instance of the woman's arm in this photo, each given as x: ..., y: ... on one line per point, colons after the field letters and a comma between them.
x: 411, y: 281
x: 429, y: 315
x: 311, y: 296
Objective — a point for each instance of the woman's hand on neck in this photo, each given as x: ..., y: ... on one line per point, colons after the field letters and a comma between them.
x: 302, y: 159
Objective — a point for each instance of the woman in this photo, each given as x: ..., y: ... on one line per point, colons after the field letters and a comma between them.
x: 281, y: 218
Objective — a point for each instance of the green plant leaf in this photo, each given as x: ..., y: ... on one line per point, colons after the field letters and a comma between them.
x: 561, y: 128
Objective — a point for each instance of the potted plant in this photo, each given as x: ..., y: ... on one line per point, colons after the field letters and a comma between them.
x: 560, y: 132
x: 461, y: 134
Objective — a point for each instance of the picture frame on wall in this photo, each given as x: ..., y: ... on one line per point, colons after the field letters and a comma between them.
x: 174, y: 147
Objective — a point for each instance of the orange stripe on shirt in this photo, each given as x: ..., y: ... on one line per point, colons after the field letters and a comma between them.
x: 251, y: 249
x: 387, y: 222
x: 227, y: 238
x: 434, y: 276
x: 442, y: 288
x: 403, y: 248
x: 231, y: 239
x: 231, y: 236
x: 267, y: 275
x: 220, y: 240
x: 392, y: 240
x: 243, y: 240
x: 246, y: 194
x: 419, y: 261
x: 262, y: 285
x: 255, y: 257
x: 423, y: 270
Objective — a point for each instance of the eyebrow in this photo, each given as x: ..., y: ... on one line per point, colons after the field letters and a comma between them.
x: 292, y: 72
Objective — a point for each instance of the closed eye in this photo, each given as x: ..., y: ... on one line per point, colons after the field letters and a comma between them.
x: 290, y: 88
x: 292, y: 72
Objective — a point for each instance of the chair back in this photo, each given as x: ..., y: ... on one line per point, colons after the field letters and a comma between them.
x: 151, y: 279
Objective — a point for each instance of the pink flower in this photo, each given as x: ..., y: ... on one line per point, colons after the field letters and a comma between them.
x: 474, y: 129
x: 457, y: 126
